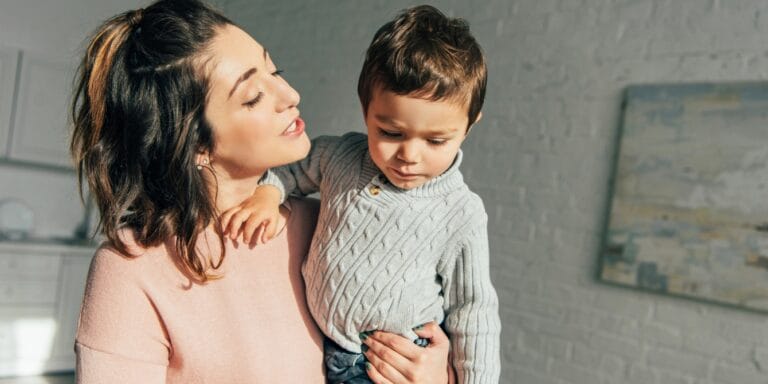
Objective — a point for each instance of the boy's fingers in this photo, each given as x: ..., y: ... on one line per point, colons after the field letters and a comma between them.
x: 250, y: 227
x: 225, y: 217
x: 236, y: 223
x: 271, y: 229
x: 259, y: 235
x: 266, y: 227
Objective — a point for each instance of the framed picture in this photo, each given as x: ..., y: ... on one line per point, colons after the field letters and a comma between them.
x: 688, y: 209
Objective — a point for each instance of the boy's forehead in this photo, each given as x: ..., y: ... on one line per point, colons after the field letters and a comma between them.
x: 411, y: 112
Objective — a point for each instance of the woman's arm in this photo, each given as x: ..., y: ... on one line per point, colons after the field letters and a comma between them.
x: 397, y: 360
x: 101, y: 367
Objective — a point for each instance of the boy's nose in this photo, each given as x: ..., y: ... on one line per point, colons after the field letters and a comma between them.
x: 408, y: 153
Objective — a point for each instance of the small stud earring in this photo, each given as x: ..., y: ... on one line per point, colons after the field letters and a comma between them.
x: 205, y: 163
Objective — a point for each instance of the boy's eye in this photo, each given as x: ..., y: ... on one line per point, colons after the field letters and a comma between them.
x: 251, y: 103
x: 437, y: 141
x: 386, y: 133
x: 278, y: 72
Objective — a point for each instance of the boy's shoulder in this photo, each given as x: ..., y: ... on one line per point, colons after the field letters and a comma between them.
x: 347, y: 139
x: 341, y: 147
x: 470, y: 205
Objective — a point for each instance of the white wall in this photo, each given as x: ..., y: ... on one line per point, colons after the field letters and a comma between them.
x: 541, y: 157
x: 55, y: 29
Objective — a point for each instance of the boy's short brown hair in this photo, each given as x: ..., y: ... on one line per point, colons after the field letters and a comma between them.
x: 422, y: 53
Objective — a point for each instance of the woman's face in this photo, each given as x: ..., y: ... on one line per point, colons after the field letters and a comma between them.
x: 251, y: 109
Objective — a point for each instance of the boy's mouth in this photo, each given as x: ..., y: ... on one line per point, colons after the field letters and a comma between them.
x: 404, y: 175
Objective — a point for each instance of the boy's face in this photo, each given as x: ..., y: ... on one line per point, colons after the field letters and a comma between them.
x: 413, y: 140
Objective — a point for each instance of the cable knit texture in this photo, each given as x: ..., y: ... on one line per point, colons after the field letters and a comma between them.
x: 384, y: 258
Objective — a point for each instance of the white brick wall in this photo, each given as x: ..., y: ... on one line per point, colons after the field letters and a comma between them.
x: 541, y: 157
x: 56, y: 29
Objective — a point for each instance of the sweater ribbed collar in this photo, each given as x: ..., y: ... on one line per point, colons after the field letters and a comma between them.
x: 447, y: 182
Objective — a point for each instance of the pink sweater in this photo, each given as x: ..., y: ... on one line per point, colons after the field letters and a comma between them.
x: 142, y: 322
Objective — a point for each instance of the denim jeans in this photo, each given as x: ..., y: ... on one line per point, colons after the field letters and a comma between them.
x: 344, y: 367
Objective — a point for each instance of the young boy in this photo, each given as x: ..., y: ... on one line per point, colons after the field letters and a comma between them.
x: 400, y: 239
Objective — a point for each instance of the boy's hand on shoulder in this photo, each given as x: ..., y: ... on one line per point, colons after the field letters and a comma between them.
x: 256, y: 218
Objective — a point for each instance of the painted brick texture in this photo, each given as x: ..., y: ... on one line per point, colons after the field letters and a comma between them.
x: 541, y: 157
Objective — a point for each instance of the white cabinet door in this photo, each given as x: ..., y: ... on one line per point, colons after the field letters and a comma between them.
x: 8, y: 60
x: 26, y: 339
x: 41, y: 290
x: 40, y: 130
x: 27, y: 310
x: 74, y: 270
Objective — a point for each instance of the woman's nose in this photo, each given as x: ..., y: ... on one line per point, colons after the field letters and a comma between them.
x: 287, y: 96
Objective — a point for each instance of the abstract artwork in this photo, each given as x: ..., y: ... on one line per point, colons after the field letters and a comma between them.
x: 688, y: 205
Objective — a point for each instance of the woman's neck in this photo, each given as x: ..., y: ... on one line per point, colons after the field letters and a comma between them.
x: 231, y: 191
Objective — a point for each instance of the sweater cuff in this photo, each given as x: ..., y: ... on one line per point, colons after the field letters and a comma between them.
x: 270, y: 178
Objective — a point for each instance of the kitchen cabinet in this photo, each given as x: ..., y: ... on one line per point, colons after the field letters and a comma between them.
x: 41, y: 125
x: 9, y: 58
x: 74, y: 270
x: 41, y: 290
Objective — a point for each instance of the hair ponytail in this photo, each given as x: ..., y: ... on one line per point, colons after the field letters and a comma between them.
x: 138, y: 123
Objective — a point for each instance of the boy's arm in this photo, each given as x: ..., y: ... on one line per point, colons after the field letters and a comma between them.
x: 472, y: 310
x: 255, y: 219
x: 304, y: 176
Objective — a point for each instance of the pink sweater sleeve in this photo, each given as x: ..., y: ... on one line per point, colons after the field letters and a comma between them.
x: 120, y: 337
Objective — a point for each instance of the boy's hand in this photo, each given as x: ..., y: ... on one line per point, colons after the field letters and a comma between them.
x: 256, y: 217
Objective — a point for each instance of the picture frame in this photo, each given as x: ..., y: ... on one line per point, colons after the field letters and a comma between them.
x: 688, y: 209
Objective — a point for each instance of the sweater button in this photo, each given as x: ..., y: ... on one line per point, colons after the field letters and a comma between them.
x: 374, y: 190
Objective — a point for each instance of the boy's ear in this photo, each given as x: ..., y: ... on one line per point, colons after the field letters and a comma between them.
x: 479, y: 116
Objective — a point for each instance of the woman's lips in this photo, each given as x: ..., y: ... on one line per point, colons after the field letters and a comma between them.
x: 296, y: 128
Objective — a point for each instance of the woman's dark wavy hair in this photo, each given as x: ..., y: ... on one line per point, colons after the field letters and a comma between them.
x: 139, y: 123
x: 423, y: 53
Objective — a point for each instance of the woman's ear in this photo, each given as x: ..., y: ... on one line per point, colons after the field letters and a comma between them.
x: 202, y: 159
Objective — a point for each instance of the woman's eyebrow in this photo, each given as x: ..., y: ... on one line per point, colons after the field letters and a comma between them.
x: 246, y: 75
x: 242, y: 78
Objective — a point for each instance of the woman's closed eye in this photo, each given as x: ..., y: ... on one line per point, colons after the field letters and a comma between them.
x: 251, y: 103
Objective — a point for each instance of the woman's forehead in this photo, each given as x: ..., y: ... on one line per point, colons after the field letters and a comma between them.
x: 232, y: 53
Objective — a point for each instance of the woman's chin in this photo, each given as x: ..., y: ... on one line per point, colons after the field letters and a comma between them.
x: 303, y: 145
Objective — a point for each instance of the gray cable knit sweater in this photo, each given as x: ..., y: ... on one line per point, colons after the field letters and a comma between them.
x: 383, y: 258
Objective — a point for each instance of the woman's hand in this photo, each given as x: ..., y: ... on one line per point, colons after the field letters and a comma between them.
x: 393, y: 359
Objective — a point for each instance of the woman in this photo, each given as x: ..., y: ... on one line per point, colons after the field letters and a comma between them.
x: 178, y: 113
